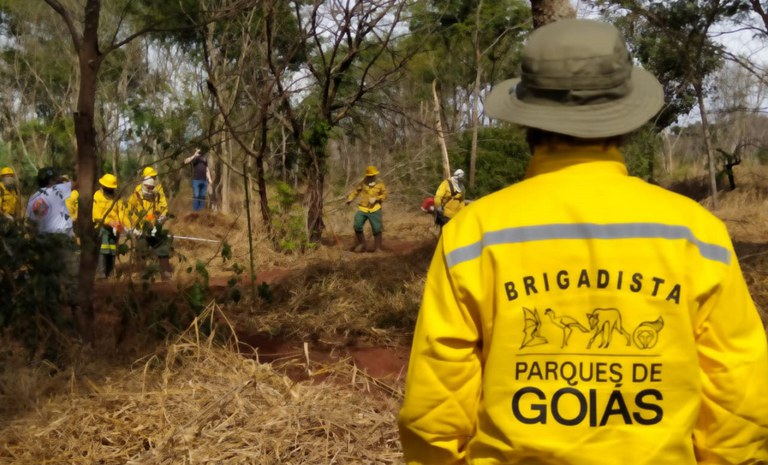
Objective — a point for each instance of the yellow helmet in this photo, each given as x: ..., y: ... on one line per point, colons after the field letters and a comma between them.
x: 7, y: 171
x: 371, y: 171
x: 109, y: 181
x: 149, y: 172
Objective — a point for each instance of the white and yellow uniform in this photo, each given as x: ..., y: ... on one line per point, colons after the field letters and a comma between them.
x: 450, y: 196
x: 606, y: 321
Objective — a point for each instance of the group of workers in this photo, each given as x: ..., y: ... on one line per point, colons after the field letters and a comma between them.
x: 446, y: 203
x: 53, y: 208
x: 142, y: 215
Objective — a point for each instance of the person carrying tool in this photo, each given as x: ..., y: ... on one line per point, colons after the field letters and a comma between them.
x: 583, y: 316
x: 108, y: 218
x: 372, y: 193
x: 9, y: 194
x: 147, y: 209
x: 449, y: 198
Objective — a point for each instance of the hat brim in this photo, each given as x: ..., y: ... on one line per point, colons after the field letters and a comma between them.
x: 588, y: 121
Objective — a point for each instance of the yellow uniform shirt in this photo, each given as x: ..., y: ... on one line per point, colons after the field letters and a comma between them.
x: 449, y: 197
x: 371, y: 197
x: 9, y: 201
x: 143, y: 211
x: 111, y: 210
x: 72, y: 204
x: 585, y: 317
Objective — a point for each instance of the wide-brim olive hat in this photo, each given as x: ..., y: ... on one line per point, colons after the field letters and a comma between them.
x: 577, y: 79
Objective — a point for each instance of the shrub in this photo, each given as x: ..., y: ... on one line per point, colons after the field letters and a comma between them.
x: 32, y: 283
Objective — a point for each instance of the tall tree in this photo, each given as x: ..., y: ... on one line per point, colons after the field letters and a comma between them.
x: 84, y: 31
x: 468, y: 46
x: 351, y: 51
x: 674, y: 41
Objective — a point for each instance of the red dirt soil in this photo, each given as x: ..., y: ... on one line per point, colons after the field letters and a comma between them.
x: 387, y: 364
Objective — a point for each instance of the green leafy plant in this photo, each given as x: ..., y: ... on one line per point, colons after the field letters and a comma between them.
x: 34, y: 285
x: 288, y: 221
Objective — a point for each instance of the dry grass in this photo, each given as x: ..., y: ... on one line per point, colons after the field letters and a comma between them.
x: 199, y: 402
x: 745, y: 213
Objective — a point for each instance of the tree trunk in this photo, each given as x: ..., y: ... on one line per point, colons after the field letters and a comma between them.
x: 475, y: 97
x: 440, y: 135
x: 315, y: 197
x: 224, y: 178
x: 549, y: 11
x: 260, y: 174
x: 707, y: 144
x: 87, y: 163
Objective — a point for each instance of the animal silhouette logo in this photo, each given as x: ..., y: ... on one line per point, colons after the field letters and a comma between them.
x: 603, y: 322
x: 646, y: 335
x: 531, y: 329
x: 567, y: 324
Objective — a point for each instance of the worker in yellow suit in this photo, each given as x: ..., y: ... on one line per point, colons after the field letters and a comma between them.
x: 109, y: 219
x: 583, y: 316
x: 449, y: 198
x: 9, y: 194
x: 372, y: 193
x: 147, y: 210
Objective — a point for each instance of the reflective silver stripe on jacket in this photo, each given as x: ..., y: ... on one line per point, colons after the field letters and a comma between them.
x: 587, y: 231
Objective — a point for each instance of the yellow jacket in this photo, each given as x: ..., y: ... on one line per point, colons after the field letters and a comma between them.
x: 604, y: 321
x: 71, y: 203
x: 144, y: 211
x: 449, y: 197
x: 371, y: 197
x: 109, y: 209
x: 9, y: 201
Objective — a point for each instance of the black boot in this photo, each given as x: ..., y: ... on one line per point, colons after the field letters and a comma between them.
x: 109, y: 265
x: 377, y: 242
x: 360, y: 246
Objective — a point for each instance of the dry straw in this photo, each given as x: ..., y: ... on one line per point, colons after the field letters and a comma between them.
x: 205, y: 403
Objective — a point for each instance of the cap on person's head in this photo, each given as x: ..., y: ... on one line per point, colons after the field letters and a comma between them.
x: 458, y: 174
x: 109, y: 181
x: 46, y: 176
x: 371, y: 171
x: 577, y: 79
x: 149, y: 172
x: 7, y: 171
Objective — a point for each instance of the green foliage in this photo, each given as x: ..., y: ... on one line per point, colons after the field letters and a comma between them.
x: 174, y: 22
x: 264, y: 292
x: 502, y: 157
x: 288, y: 220
x: 640, y: 152
x: 33, y: 283
x: 673, y: 41
x: 446, y: 31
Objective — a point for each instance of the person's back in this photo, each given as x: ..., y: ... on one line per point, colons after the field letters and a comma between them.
x: 47, y: 207
x: 606, y: 321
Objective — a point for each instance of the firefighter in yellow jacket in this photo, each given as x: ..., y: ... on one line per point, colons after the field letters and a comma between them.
x: 148, y: 211
x: 449, y: 198
x: 606, y: 320
x: 9, y: 194
x: 372, y: 193
x: 108, y: 217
